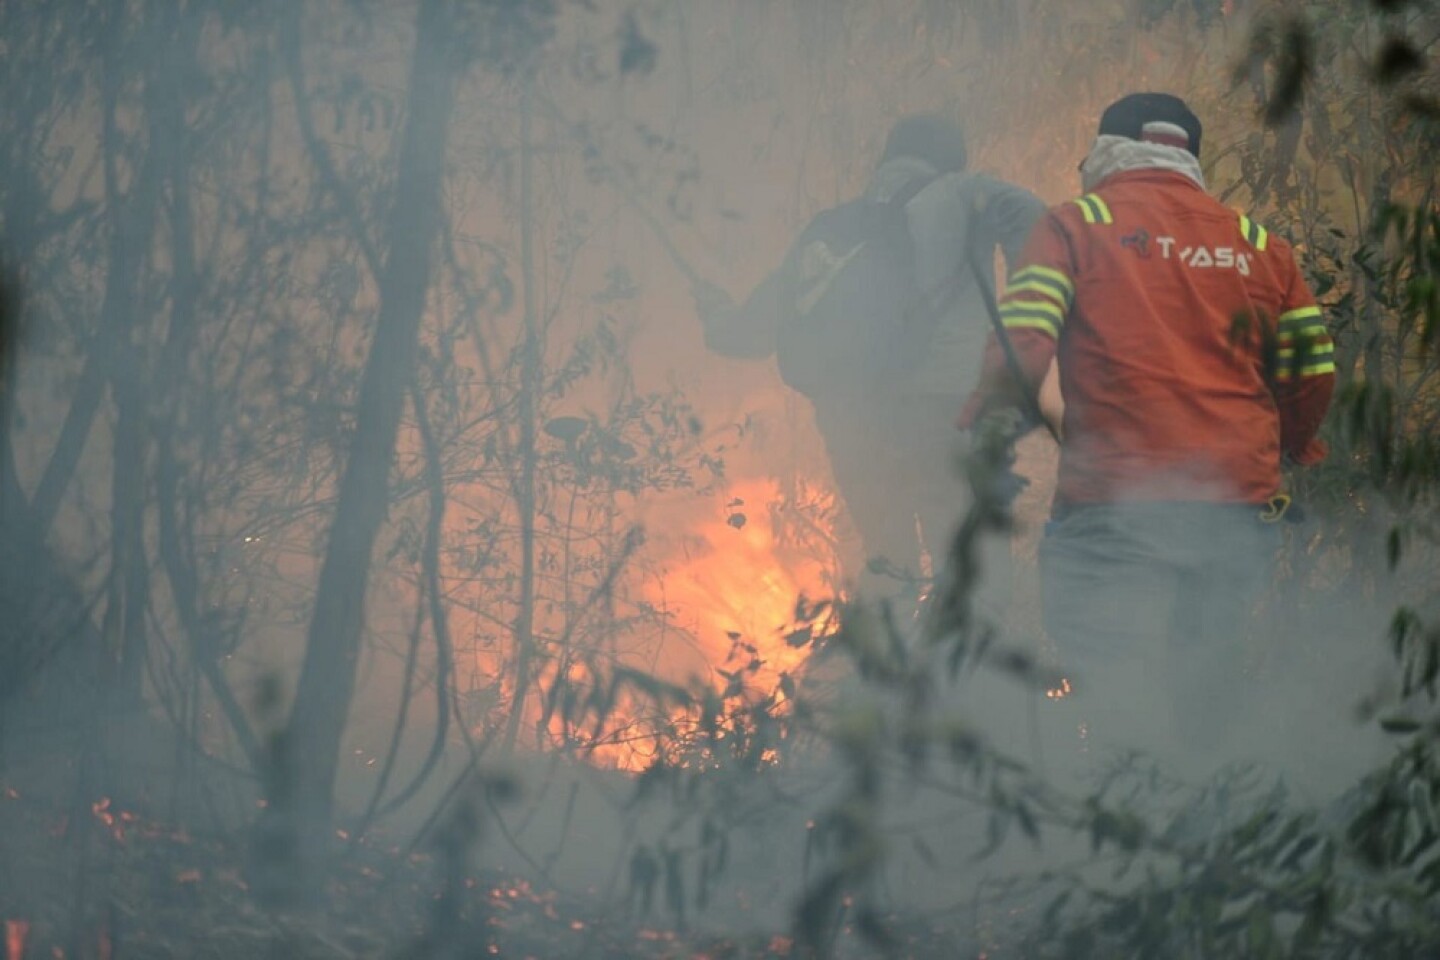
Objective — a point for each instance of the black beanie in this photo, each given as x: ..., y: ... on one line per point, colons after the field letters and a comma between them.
x: 928, y: 137
x: 1128, y: 116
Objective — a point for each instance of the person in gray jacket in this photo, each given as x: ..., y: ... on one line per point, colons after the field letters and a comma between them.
x: 887, y: 416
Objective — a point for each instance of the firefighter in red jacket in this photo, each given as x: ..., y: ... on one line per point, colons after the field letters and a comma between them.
x: 1193, y: 361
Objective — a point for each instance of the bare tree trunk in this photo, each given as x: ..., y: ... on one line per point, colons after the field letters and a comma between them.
x: 530, y: 372
x: 131, y: 225
x: 312, y: 738
x: 129, y: 587
x: 130, y: 219
x: 131, y: 378
x: 36, y: 589
x: 176, y: 561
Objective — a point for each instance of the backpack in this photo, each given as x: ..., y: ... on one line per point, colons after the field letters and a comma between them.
x: 848, y: 321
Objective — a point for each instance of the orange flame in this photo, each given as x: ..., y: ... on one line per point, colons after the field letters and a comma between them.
x: 726, y: 592
x: 735, y: 586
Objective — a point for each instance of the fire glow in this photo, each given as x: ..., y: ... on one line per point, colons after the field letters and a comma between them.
x: 732, y: 589
x: 737, y: 581
x: 712, y: 602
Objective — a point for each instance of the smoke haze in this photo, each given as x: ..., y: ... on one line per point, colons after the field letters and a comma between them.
x: 362, y: 445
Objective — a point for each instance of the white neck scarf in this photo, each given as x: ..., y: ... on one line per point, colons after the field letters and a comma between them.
x: 1111, y: 155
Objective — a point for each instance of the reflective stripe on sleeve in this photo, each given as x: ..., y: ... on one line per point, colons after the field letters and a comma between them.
x: 1033, y: 315
x: 1305, y: 344
x: 1304, y: 325
x: 1293, y: 318
x: 1316, y: 353
x: 1048, y: 283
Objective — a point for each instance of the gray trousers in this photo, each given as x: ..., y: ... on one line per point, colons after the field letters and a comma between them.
x: 1149, y: 604
x: 896, y: 461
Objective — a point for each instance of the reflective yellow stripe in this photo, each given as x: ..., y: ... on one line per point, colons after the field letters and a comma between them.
x: 1032, y: 316
x: 1043, y: 324
x: 1315, y: 350
x: 1031, y: 306
x: 1315, y: 332
x: 1303, y: 326
x: 1048, y: 289
x: 1033, y: 309
x: 1309, y: 349
x: 1094, y: 210
x: 1046, y: 275
x: 1302, y: 313
x: 1257, y: 235
x: 1102, y: 208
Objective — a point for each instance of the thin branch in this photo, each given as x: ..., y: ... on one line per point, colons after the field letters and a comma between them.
x: 330, y: 179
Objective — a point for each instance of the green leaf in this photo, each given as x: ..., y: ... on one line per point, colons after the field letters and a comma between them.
x: 1027, y: 822
x: 1293, y: 69
x: 1398, y: 59
x: 1399, y: 725
x: 1262, y: 933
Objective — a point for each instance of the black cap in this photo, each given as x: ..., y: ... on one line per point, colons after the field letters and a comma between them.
x: 1128, y: 116
x: 929, y: 137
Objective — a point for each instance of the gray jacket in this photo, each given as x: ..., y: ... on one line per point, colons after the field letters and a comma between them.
x: 948, y: 219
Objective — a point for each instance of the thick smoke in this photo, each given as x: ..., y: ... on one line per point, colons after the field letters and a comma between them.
x: 373, y: 498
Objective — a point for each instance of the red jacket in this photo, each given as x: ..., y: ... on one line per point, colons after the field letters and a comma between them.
x: 1191, y: 353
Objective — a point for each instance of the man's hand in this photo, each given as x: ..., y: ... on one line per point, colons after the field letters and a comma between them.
x: 983, y: 418
x: 742, y: 331
x: 1006, y: 423
x: 993, y: 438
x: 1315, y: 452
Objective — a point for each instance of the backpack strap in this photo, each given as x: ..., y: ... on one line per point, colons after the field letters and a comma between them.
x: 910, y: 191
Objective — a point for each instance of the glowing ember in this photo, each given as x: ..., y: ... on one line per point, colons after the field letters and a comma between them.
x: 114, y: 822
x: 16, y: 933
